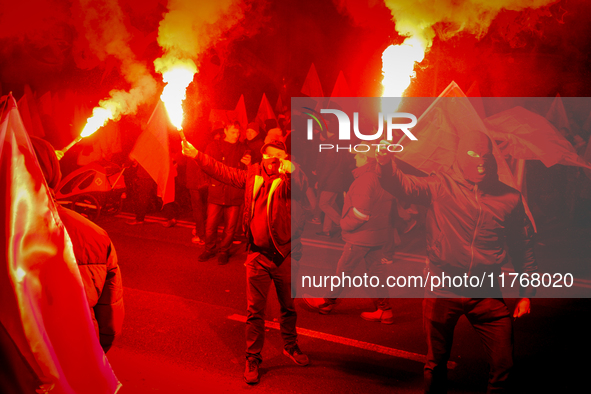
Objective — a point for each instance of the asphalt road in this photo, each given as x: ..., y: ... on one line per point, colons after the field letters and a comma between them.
x: 178, y: 337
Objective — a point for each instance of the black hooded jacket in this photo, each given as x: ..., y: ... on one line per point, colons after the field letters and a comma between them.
x: 471, y: 228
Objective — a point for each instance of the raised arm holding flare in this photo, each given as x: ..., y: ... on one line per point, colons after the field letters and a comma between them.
x: 275, y: 190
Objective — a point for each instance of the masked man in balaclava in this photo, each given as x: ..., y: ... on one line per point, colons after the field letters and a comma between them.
x: 474, y: 223
x: 275, y: 192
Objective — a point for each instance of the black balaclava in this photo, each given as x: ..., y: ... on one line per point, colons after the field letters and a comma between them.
x: 475, y: 157
x: 271, y: 165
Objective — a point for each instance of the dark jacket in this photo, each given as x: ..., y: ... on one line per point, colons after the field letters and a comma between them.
x: 287, y: 197
x: 255, y: 146
x: 470, y: 229
x: 97, y: 262
x: 369, y: 198
x: 229, y: 155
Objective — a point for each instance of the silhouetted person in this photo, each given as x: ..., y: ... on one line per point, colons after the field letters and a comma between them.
x: 224, y: 200
x: 474, y: 223
x: 366, y: 228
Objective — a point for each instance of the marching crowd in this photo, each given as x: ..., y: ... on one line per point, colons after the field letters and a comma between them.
x: 248, y: 182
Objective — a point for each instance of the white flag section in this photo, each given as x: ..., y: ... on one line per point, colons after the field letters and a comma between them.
x: 46, y: 331
x: 438, y: 131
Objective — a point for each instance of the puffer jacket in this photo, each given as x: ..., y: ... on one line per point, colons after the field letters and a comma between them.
x: 97, y: 262
x: 471, y: 229
x: 230, y: 155
x: 286, y: 201
x: 369, y: 198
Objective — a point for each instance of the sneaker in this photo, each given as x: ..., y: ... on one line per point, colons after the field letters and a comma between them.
x: 169, y: 223
x: 134, y: 222
x: 251, y: 372
x: 197, y: 240
x: 206, y: 255
x: 318, y: 304
x: 223, y: 258
x: 296, y: 355
x: 385, y: 317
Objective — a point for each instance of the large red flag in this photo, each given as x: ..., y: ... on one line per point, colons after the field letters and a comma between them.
x: 152, y: 152
x: 312, y: 86
x: 45, y: 323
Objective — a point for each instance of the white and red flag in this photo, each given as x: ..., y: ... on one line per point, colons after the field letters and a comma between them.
x: 45, y: 326
x: 152, y: 152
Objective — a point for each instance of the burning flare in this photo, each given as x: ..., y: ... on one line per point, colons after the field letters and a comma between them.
x: 177, y: 80
x: 99, y: 117
x: 398, y: 62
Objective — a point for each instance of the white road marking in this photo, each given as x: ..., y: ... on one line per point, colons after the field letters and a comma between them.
x: 349, y: 342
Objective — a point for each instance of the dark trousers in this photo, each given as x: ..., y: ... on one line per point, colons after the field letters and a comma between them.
x: 146, y: 188
x: 199, y: 206
x: 231, y: 214
x: 260, y: 271
x: 171, y: 210
x: 491, y: 320
x: 351, y: 257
